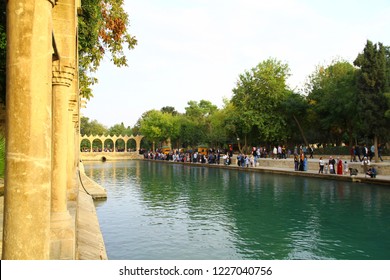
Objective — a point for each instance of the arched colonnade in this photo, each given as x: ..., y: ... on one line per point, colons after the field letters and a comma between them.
x: 110, y: 143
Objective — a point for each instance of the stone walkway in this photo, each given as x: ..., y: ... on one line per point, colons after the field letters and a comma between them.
x: 90, y: 242
x: 286, y: 166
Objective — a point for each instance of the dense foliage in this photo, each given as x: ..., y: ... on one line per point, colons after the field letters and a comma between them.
x: 343, y: 104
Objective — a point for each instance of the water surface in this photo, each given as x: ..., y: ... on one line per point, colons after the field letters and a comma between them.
x: 161, y: 211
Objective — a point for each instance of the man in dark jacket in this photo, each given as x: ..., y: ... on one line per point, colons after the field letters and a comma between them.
x: 357, y: 152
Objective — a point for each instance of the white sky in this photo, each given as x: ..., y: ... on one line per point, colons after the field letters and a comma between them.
x: 196, y: 49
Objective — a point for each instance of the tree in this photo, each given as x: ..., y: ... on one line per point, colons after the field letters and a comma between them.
x: 257, y: 98
x: 190, y: 132
x: 102, y: 27
x: 332, y: 98
x: 93, y: 127
x: 201, y: 109
x: 158, y: 126
x: 372, y: 84
x: 199, y: 116
x: 169, y: 109
x: 119, y: 129
x: 218, y: 133
x: 295, y: 108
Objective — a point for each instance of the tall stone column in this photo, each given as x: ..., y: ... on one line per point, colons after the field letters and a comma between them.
x: 73, y: 152
x: 62, y: 224
x: 26, y: 233
x: 62, y: 76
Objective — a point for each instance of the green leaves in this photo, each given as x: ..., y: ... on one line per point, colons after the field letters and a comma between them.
x: 103, y: 30
x: 332, y: 98
x: 257, y: 99
x: 372, y: 83
x: 93, y: 127
x: 158, y: 126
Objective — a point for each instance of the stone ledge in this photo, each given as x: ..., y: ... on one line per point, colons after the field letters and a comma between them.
x: 90, y: 243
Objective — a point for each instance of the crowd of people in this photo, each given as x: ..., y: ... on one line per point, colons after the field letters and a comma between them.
x: 301, y: 156
x: 360, y: 152
x: 213, y: 156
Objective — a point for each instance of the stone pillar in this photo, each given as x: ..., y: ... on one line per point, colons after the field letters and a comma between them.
x: 26, y: 233
x: 138, y: 139
x: 62, y: 224
x: 73, y: 150
x: 61, y: 74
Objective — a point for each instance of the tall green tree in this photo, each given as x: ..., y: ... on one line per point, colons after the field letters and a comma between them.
x: 157, y: 126
x: 190, y: 133
x: 295, y: 108
x: 102, y: 29
x: 198, y: 122
x: 218, y: 134
x: 372, y: 83
x: 257, y: 101
x: 332, y: 98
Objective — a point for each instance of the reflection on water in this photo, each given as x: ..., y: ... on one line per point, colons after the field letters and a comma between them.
x: 166, y: 211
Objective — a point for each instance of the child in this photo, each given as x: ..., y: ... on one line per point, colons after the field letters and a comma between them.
x: 345, y: 168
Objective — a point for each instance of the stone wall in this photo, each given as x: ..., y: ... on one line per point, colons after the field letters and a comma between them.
x: 103, y: 156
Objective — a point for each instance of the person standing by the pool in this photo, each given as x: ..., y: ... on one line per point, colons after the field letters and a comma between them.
x: 339, y: 166
x: 332, y: 164
x: 321, y: 164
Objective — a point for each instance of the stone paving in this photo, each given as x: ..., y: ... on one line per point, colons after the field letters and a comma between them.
x: 286, y: 166
x: 90, y: 242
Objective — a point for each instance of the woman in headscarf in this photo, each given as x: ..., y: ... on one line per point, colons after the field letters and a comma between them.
x: 339, y: 166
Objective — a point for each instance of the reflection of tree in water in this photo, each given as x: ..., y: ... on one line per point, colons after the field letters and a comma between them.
x: 265, y: 216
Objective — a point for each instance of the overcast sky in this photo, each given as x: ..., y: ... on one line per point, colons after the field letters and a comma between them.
x: 196, y: 49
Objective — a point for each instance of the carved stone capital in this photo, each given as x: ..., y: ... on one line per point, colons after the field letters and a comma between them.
x: 63, y: 75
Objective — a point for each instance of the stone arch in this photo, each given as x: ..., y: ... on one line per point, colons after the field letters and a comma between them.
x: 120, y: 145
x: 108, y: 145
x: 97, y: 145
x: 85, y: 145
x: 131, y: 144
